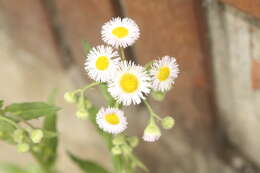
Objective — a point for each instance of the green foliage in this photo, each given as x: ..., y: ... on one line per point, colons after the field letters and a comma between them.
x: 29, y: 111
x: 42, y: 142
x: 6, y: 131
x: 11, y: 168
x: 87, y: 166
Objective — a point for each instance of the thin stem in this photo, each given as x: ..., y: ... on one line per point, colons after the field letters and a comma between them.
x: 86, y: 87
x: 122, y: 53
x: 90, y: 86
x: 9, y: 121
x: 153, y: 114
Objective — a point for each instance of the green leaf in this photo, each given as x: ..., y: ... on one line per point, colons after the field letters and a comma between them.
x: 86, y: 46
x: 6, y: 131
x: 49, y: 150
x: 30, y: 110
x: 87, y: 166
x: 11, y: 168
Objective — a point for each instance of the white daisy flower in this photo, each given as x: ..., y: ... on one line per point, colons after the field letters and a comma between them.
x: 101, y: 63
x: 152, y: 133
x: 164, y: 72
x: 111, y: 120
x: 120, y: 32
x: 130, y: 84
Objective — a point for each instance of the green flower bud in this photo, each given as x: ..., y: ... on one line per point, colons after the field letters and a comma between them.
x: 88, y: 104
x: 133, y: 141
x: 152, y: 132
x: 158, y: 96
x: 118, y: 140
x: 23, y: 147
x: 18, y: 135
x: 116, y: 150
x: 70, y: 97
x: 167, y: 122
x: 36, y: 135
x: 82, y: 114
x: 126, y: 149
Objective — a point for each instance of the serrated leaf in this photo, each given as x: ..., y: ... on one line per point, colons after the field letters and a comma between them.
x: 30, y: 110
x: 86, y: 165
x: 11, y: 168
x: 86, y: 46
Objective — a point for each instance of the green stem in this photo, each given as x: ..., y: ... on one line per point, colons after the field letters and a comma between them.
x: 90, y: 86
x: 152, y: 113
x: 87, y: 87
x: 122, y: 53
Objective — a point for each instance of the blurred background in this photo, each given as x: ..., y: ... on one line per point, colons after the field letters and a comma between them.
x: 215, y: 101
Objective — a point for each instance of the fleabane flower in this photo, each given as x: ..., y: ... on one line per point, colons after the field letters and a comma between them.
x: 164, y: 72
x: 111, y: 120
x: 152, y: 132
x: 101, y: 63
x: 130, y: 84
x: 120, y: 32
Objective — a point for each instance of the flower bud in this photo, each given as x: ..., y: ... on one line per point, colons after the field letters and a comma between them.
x: 126, y: 149
x: 70, y: 97
x: 82, y: 114
x: 118, y: 140
x: 152, y: 132
x: 36, y: 135
x: 23, y: 147
x: 167, y: 122
x: 18, y: 135
x: 133, y: 141
x: 158, y: 96
x: 116, y: 150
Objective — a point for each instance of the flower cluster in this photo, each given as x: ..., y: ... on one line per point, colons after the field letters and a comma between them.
x: 127, y: 82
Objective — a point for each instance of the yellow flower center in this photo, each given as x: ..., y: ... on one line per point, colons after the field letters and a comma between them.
x: 163, y: 73
x: 129, y: 83
x: 112, y: 119
x: 102, y: 63
x: 120, y: 32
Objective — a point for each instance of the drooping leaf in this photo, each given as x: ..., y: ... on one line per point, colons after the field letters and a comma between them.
x: 86, y: 165
x: 11, y: 168
x: 87, y: 47
x: 30, y: 110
